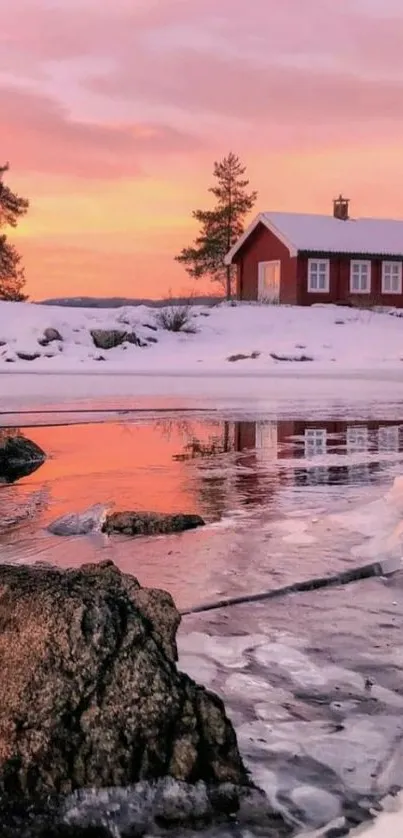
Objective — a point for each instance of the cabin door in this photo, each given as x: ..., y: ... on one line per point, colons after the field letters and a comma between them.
x: 269, y: 282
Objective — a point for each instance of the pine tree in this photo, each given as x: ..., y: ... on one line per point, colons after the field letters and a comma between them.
x: 220, y: 227
x: 12, y: 208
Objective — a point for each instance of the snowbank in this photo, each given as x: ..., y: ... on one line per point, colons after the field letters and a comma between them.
x: 381, y: 522
x: 280, y: 339
x: 388, y: 825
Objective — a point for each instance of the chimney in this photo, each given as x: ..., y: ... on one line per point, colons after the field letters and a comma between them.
x: 340, y: 208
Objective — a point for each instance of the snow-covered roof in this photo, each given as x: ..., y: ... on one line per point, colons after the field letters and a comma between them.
x: 326, y: 234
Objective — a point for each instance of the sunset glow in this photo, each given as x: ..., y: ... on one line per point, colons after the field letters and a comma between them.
x: 112, y: 115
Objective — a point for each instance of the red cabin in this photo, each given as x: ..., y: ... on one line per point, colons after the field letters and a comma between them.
x: 301, y: 259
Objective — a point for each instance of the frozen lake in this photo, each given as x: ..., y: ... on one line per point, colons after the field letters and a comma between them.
x: 313, y: 682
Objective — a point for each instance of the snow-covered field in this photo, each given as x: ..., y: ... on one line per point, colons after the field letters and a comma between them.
x: 327, y: 338
x: 311, y: 353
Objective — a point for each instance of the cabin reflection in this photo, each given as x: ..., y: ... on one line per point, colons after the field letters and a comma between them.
x: 248, y: 463
x: 257, y: 444
x: 321, y: 443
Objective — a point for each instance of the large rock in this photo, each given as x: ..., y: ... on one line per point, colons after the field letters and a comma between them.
x: 90, y: 695
x: 150, y: 523
x: 49, y: 336
x: 18, y: 458
x: 109, y: 338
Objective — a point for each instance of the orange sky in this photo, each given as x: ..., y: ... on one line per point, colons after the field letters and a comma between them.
x: 112, y: 114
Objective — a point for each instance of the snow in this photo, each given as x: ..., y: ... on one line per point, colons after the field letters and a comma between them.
x: 345, y: 345
x: 380, y: 522
x: 388, y: 825
x: 335, y: 338
x: 324, y: 233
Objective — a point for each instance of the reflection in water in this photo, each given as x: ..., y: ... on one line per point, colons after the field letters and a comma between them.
x: 16, y: 472
x: 206, y: 467
x: 254, y: 477
x: 11, y: 471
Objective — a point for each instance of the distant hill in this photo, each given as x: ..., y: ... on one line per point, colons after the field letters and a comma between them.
x: 119, y: 302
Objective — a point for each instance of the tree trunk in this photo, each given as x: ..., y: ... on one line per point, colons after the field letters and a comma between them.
x: 228, y: 283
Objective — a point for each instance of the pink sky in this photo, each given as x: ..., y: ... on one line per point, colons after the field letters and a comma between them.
x: 112, y: 114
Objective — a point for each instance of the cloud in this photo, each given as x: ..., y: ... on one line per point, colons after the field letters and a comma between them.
x: 39, y: 135
x: 269, y: 94
x: 45, y: 30
x: 292, y: 64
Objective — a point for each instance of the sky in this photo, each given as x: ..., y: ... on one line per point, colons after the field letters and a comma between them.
x: 112, y: 114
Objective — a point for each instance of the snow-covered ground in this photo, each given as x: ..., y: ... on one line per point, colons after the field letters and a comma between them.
x: 388, y: 825
x: 347, y: 346
x: 305, y: 339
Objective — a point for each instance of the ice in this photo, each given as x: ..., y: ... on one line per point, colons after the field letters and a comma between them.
x: 80, y: 523
x: 226, y: 651
x: 298, y: 666
x: 250, y: 688
x: 381, y: 522
x: 198, y: 668
x: 295, y: 530
x: 317, y: 805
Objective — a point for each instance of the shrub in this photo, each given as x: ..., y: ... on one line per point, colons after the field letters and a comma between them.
x: 177, y: 318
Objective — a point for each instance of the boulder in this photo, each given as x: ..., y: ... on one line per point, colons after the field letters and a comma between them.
x: 49, y: 336
x: 79, y: 523
x: 110, y: 338
x: 150, y: 523
x: 90, y: 695
x: 18, y: 458
x: 107, y: 338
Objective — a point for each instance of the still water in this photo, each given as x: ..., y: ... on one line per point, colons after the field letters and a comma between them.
x: 258, y: 484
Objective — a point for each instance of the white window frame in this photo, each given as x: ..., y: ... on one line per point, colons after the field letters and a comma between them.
x: 315, y: 442
x: 318, y: 263
x: 357, y: 439
x: 388, y: 438
x: 361, y: 263
x: 388, y: 276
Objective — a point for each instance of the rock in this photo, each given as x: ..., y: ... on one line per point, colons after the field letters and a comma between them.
x: 166, y: 807
x: 28, y: 356
x: 49, y: 336
x: 110, y: 338
x: 107, y: 338
x: 131, y: 337
x: 18, y: 458
x: 89, y: 692
x: 150, y: 523
x: 79, y: 523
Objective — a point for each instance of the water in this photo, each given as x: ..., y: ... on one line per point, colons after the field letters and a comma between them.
x: 275, y: 493
x: 264, y: 487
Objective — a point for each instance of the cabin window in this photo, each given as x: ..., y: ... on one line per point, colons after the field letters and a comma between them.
x: 318, y: 276
x: 391, y: 277
x: 360, y: 277
x: 357, y: 439
x: 388, y: 438
x: 315, y: 442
